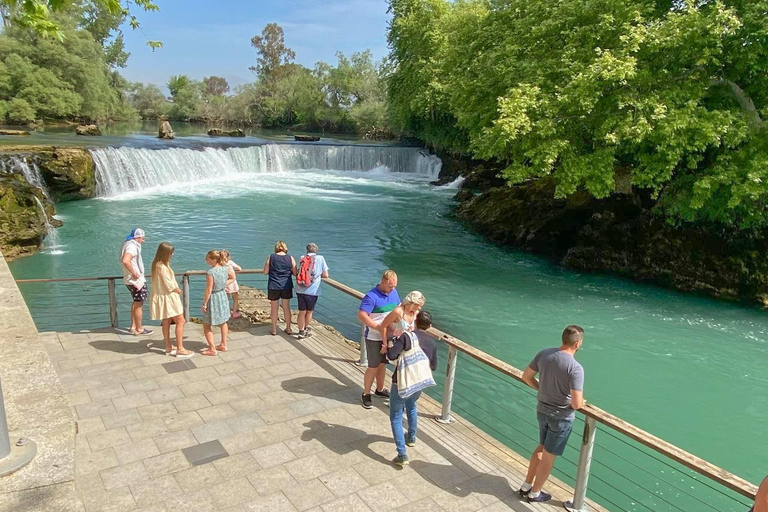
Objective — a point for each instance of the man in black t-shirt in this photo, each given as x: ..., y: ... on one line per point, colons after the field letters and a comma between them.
x: 396, y: 404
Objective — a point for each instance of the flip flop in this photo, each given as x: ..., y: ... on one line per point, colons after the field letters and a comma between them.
x: 145, y: 332
x: 170, y: 352
x: 288, y: 331
x: 208, y: 352
x: 221, y: 348
x: 189, y: 353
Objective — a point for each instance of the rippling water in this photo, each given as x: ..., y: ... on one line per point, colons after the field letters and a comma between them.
x: 689, y: 369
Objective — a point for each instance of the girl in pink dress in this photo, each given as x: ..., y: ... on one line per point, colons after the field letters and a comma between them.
x: 234, y: 288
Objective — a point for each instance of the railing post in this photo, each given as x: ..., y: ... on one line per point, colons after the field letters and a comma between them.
x: 185, y: 295
x: 23, y: 450
x: 363, y: 361
x: 450, y: 375
x: 112, y: 303
x: 582, y: 472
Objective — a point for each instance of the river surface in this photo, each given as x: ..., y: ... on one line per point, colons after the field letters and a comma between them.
x: 689, y: 369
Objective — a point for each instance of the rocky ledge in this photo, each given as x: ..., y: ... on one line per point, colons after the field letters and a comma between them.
x: 622, y: 235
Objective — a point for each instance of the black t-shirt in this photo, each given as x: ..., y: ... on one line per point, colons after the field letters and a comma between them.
x: 403, y: 342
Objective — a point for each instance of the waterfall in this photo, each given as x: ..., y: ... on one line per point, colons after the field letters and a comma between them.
x: 455, y: 184
x: 52, y: 240
x: 29, y: 170
x: 125, y: 169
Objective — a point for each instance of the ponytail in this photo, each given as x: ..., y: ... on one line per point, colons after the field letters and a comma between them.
x: 215, y: 256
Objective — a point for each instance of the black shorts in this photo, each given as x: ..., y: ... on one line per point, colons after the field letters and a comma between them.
x: 138, y: 295
x: 280, y: 294
x: 306, y: 302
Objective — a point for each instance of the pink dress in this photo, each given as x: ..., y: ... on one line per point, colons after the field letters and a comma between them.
x: 234, y: 287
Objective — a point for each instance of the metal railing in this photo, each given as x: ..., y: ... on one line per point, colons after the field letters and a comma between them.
x: 617, y: 433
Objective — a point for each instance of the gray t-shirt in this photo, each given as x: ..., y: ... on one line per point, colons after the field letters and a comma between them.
x: 559, y: 373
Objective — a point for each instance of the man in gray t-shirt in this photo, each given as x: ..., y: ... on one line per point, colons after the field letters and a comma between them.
x: 560, y: 392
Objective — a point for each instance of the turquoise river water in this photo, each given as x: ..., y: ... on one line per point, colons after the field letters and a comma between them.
x: 690, y: 370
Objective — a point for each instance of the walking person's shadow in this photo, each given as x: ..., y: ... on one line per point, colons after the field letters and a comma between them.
x: 456, y: 477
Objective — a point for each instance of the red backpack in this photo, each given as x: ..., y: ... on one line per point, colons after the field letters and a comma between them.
x: 306, y: 267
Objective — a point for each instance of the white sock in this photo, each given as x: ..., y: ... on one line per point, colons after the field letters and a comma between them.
x: 534, y: 495
x: 526, y: 486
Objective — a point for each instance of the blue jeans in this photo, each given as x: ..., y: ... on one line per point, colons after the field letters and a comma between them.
x: 396, y: 407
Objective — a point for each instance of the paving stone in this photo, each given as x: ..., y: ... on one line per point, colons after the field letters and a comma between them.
x: 235, y: 466
x: 271, y: 480
x: 305, y: 495
x: 274, y: 503
x: 123, y: 475
x: 249, y: 404
x: 121, y: 418
x: 166, y: 463
x: 277, y: 414
x: 415, y: 487
x: 201, y: 374
x: 182, y: 421
x: 89, y: 425
x: 78, y: 398
x: 457, y: 503
x: 94, y: 409
x: 222, y: 396
x: 179, y: 366
x: 115, y: 500
x: 197, y: 388
x: 136, y: 451
x: 242, y: 442
x: 132, y: 401
x: 172, y: 380
x: 245, y: 422
x: 343, y: 482
x: 306, y: 407
x: 149, y: 428
x: 216, y: 413
x: 93, y: 462
x: 141, y: 385
x: 209, y: 431
x: 156, y: 490
x: 205, y: 475
x: 226, y: 381
x: 200, y: 501
x: 349, y: 503
x: 273, y: 455
x: 191, y: 403
x: 171, y: 441
x: 108, y: 439
x: 229, y: 368
x: 383, y: 497
x: 204, y: 452
x: 424, y: 505
x: 278, y: 397
x: 157, y: 411
x: 164, y: 395
x: 232, y: 492
x: 307, y: 468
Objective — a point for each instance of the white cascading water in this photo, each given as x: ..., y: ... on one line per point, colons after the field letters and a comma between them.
x: 30, y: 171
x: 455, y: 184
x: 125, y: 169
x: 52, y: 241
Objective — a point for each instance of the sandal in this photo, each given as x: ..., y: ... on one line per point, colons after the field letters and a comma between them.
x: 208, y: 352
x: 170, y: 352
x: 288, y: 331
x: 184, y: 353
x: 273, y: 333
x: 221, y: 348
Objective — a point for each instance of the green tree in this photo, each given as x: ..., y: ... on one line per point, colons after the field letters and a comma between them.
x: 216, y: 86
x: 147, y: 99
x: 671, y: 92
x: 187, y: 97
x: 271, y: 52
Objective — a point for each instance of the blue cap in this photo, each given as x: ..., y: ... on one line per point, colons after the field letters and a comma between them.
x: 135, y: 233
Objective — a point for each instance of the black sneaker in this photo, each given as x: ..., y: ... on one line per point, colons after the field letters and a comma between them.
x: 522, y: 493
x: 543, y: 496
x: 301, y: 335
x: 367, y: 402
x: 384, y: 393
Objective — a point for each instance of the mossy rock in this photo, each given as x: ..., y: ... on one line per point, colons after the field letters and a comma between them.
x: 69, y: 173
x: 22, y: 227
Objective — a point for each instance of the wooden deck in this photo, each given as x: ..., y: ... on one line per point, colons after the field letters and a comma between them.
x: 287, y: 413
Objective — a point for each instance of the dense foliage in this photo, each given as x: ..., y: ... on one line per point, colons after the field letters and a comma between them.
x: 73, y: 76
x: 671, y: 92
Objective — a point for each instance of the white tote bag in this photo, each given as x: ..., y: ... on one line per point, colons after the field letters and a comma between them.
x: 413, y: 371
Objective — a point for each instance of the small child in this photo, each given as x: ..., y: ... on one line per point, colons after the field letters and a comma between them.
x: 234, y: 288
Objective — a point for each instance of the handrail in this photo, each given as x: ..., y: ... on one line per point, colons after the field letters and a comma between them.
x: 687, y: 459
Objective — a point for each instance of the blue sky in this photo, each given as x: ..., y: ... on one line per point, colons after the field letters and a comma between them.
x: 213, y: 37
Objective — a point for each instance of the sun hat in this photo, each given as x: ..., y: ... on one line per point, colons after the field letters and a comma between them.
x: 135, y: 233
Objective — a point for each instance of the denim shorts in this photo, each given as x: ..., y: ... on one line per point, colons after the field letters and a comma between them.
x: 554, y: 433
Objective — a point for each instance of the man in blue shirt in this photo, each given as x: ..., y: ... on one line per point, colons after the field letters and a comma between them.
x: 375, y: 306
x: 307, y: 295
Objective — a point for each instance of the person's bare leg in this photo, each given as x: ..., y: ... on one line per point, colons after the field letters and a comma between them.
x: 287, y: 314
x: 273, y: 307
x: 236, y: 299
x: 307, y: 319
x: 300, y: 323
x: 535, y: 459
x: 370, y: 374
x: 136, y: 316
x: 224, y: 331
x: 166, y: 327
x: 208, y: 332
x: 180, y: 321
x: 543, y: 470
x: 381, y: 373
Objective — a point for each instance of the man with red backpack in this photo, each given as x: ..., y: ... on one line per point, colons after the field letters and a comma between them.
x: 312, y: 268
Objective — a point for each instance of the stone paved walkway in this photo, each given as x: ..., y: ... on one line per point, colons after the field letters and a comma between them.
x: 288, y: 415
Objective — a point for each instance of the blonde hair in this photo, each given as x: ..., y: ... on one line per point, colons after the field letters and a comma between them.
x: 415, y: 297
x: 163, y: 255
x: 389, y: 274
x: 224, y: 255
x: 215, y: 256
x: 280, y: 246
